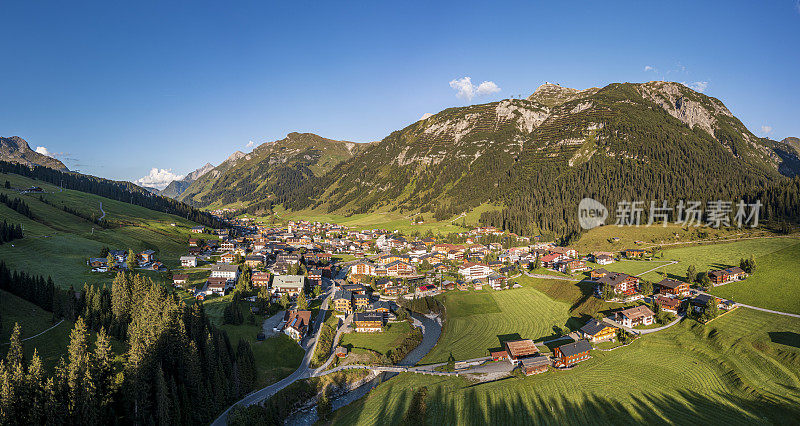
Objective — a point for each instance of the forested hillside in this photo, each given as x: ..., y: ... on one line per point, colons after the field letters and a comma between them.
x: 115, y: 190
x: 273, y: 173
x: 538, y: 157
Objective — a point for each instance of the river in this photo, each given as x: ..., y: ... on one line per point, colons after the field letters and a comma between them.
x: 431, y: 330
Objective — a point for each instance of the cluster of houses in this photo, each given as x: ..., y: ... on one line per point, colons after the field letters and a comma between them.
x: 669, y: 294
x: 145, y: 259
x: 526, y: 354
x: 369, y: 314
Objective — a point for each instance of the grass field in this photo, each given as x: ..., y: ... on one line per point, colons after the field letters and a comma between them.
x: 383, y: 220
x: 775, y: 284
x: 740, y: 369
x: 58, y: 243
x: 276, y: 357
x: 718, y: 256
x: 600, y: 239
x: 479, y: 321
x: 34, y: 320
x: 391, y: 336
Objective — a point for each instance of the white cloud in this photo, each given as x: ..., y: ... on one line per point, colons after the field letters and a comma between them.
x: 42, y: 150
x: 158, y: 178
x: 466, y: 90
x: 250, y: 144
x: 426, y: 115
x: 766, y: 129
x: 487, y: 88
x: 698, y: 86
x: 797, y: 5
x: 649, y: 68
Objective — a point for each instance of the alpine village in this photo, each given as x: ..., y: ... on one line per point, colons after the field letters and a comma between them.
x: 620, y: 254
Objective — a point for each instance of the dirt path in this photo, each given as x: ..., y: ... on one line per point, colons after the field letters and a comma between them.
x: 29, y: 338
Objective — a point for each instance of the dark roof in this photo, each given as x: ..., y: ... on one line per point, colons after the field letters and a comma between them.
x: 668, y: 283
x: 701, y: 299
x: 613, y: 279
x: 575, y: 348
x: 593, y: 327
x: 342, y: 294
x: 734, y: 270
x: 367, y: 316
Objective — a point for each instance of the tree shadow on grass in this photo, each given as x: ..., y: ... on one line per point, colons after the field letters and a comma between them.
x: 482, y: 404
x: 787, y: 338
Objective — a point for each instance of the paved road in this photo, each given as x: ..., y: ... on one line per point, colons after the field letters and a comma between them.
x: 346, y: 323
x: 302, y: 372
x: 29, y: 338
x: 101, y: 209
x: 644, y: 331
x: 671, y: 262
x: 756, y: 307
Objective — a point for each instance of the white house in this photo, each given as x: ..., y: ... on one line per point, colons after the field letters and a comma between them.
x: 188, y: 261
x: 475, y: 270
x: 224, y: 270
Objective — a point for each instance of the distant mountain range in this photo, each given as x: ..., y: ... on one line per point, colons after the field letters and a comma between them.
x: 176, y: 187
x: 16, y: 150
x: 532, y: 159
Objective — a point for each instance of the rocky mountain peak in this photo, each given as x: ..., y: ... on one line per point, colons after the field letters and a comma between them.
x: 16, y: 150
x: 553, y: 94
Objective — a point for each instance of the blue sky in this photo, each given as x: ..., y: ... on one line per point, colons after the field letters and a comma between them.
x: 118, y: 88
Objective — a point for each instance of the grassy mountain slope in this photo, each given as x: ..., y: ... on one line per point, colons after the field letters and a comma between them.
x: 654, y: 140
x: 58, y: 243
x: 271, y: 172
x: 16, y: 150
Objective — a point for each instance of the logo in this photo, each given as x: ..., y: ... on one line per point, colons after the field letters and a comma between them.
x: 591, y: 213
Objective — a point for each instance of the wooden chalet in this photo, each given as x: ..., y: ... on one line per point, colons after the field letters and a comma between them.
x: 368, y: 322
x: 727, y: 275
x: 668, y: 304
x: 632, y: 317
x: 621, y: 284
x: 673, y: 287
x: 517, y: 349
x: 635, y: 253
x: 180, y: 279
x: 260, y: 279
x: 597, y: 331
x: 571, y: 353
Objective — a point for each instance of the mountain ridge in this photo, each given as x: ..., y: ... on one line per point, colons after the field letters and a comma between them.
x: 277, y: 168
x: 16, y: 150
x: 662, y: 138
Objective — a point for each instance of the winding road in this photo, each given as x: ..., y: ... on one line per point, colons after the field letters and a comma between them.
x: 302, y: 372
x: 103, y: 211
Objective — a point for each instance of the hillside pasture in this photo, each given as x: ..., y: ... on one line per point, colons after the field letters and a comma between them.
x: 58, y: 243
x: 740, y: 369
x: 775, y: 284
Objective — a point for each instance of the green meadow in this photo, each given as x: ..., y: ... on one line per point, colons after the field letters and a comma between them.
x: 481, y: 320
x: 58, y: 243
x: 742, y: 368
x: 382, y: 342
x: 774, y: 285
